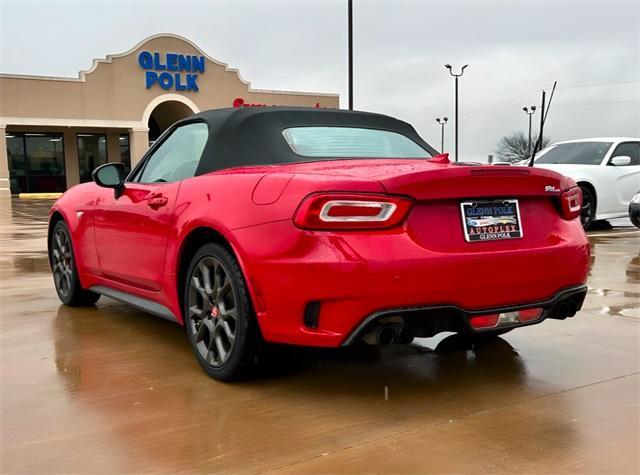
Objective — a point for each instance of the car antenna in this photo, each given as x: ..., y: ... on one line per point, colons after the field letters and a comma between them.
x: 543, y: 118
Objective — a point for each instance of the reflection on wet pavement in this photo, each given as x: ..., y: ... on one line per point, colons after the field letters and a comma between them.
x: 633, y: 270
x: 615, y: 275
x: 24, y: 230
x: 110, y: 389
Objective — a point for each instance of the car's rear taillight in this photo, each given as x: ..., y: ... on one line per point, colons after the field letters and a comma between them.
x: 493, y: 320
x: 571, y: 203
x: 326, y: 211
x: 485, y: 321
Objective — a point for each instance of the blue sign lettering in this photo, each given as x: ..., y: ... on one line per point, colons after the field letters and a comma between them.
x: 145, y: 60
x: 155, y: 63
x: 151, y: 78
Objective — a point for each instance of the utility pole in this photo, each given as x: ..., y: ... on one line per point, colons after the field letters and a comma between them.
x: 442, y: 122
x: 529, y: 111
x: 456, y: 76
x: 543, y: 119
x: 539, y: 141
x: 350, y: 20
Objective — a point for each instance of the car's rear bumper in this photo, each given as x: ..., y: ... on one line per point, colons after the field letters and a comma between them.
x: 430, y: 320
x: 343, y: 279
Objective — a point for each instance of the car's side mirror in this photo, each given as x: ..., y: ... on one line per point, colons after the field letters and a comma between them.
x: 621, y: 161
x: 110, y: 175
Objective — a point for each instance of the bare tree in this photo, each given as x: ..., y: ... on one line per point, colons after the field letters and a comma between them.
x: 515, y: 147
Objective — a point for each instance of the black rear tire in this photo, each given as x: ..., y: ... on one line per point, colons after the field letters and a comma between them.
x: 634, y: 216
x: 65, y: 272
x: 588, y: 212
x: 219, y: 319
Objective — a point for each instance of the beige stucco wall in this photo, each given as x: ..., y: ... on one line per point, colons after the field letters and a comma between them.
x: 115, y: 89
x: 112, y: 94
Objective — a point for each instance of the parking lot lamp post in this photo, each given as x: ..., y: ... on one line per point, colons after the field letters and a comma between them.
x: 529, y: 111
x: 456, y: 76
x: 442, y: 122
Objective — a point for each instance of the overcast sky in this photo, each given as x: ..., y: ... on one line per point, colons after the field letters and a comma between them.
x: 514, y: 50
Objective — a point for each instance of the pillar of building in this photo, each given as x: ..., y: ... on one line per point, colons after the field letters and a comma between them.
x: 138, y: 144
x: 71, y: 161
x: 5, y: 189
x: 113, y: 147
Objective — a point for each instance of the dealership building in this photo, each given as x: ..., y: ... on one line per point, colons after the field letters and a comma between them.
x: 54, y: 131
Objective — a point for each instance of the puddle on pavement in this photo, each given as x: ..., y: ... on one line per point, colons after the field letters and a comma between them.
x: 614, y: 293
x: 633, y: 270
x: 628, y: 310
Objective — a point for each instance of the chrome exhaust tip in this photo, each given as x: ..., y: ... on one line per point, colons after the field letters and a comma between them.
x: 402, y: 334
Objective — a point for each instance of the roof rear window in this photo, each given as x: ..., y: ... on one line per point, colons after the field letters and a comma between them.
x: 351, y: 142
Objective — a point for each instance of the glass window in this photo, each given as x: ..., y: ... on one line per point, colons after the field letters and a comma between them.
x: 36, y: 162
x: 351, y: 142
x: 45, y: 156
x: 125, y: 153
x: 628, y: 149
x: 580, y: 153
x: 92, y: 152
x: 178, y: 155
x: 17, y: 163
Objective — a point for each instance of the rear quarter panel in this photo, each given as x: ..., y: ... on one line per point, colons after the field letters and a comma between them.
x: 227, y: 201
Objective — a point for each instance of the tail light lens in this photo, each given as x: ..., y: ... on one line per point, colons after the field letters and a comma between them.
x: 351, y: 211
x: 571, y: 203
x: 481, y: 322
x: 529, y: 314
x: 485, y: 321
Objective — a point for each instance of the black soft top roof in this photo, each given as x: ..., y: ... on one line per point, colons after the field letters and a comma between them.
x: 253, y: 135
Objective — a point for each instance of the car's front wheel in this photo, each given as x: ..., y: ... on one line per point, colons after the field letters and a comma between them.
x: 588, y: 212
x: 219, y: 319
x: 65, y: 273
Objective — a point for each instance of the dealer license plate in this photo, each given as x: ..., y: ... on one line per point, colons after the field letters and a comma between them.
x: 491, y: 220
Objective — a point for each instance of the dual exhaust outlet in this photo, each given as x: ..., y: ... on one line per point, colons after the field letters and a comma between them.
x: 564, y: 310
x: 384, y: 334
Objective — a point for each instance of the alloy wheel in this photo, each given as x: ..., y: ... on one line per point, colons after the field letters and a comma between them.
x: 212, y: 311
x: 62, y: 262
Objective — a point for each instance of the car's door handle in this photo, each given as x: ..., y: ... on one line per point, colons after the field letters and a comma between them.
x: 156, y: 202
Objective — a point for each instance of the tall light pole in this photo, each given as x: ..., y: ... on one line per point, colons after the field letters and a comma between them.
x: 529, y: 111
x: 442, y: 122
x: 456, y: 76
x: 350, y: 33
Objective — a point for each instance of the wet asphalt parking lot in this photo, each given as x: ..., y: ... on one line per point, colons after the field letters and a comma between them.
x: 111, y: 389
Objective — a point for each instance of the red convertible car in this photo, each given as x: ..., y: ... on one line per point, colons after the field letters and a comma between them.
x: 318, y: 227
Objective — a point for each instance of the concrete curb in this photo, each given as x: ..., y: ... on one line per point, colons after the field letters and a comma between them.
x: 39, y: 196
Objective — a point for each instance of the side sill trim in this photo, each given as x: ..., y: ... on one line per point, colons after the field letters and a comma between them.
x: 140, y: 303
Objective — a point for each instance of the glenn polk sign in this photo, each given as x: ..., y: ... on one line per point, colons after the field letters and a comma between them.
x: 171, y: 70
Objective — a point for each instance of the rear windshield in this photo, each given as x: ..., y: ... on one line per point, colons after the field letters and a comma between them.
x: 579, y: 153
x: 351, y: 142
